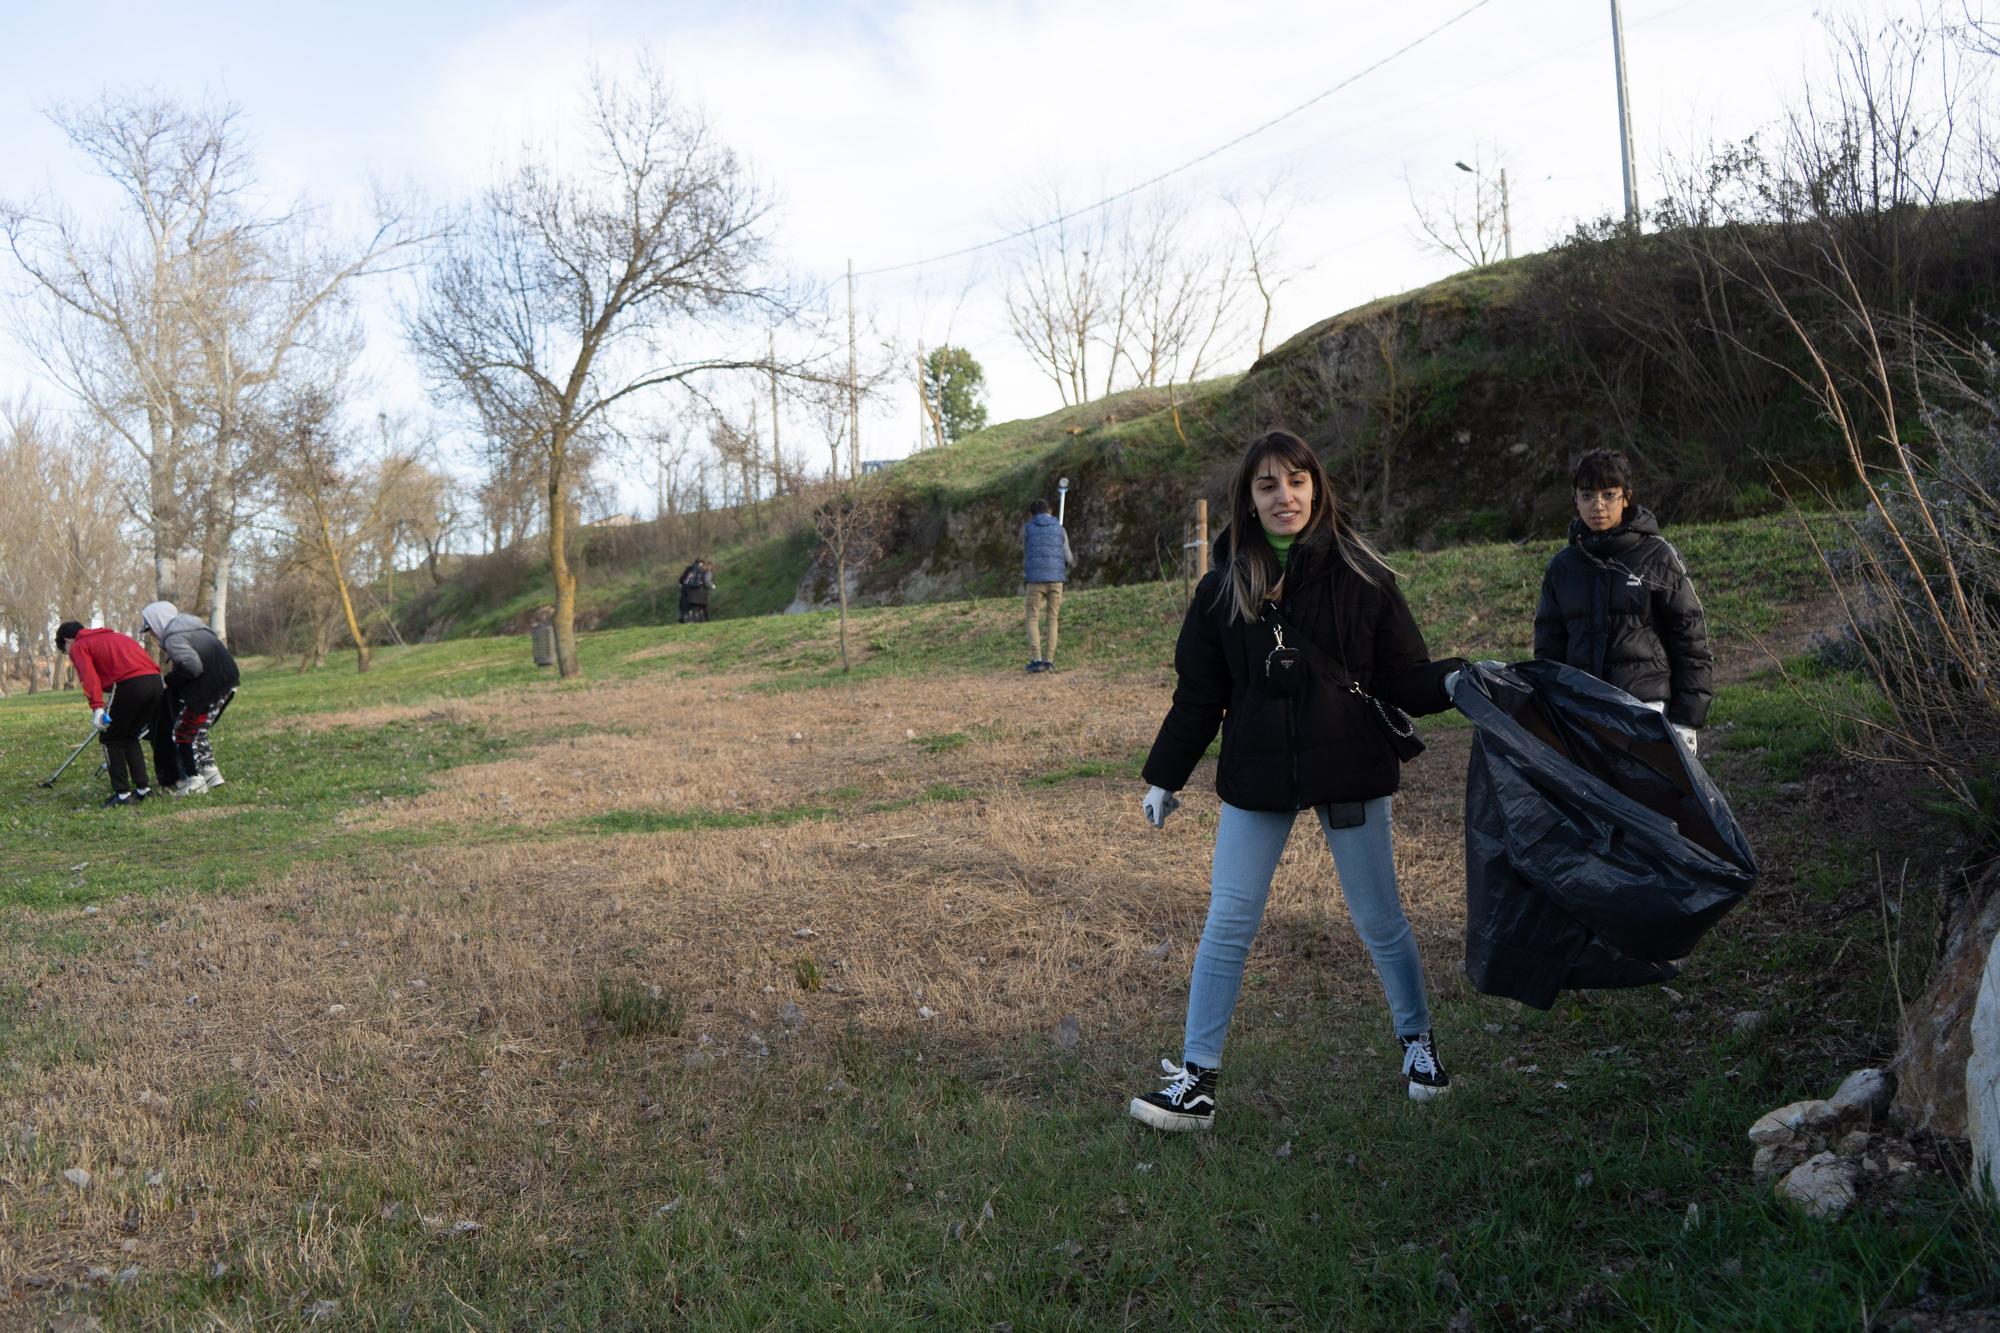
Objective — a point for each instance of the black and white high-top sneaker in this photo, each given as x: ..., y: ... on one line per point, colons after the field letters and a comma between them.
x: 1423, y: 1068
x: 1186, y: 1102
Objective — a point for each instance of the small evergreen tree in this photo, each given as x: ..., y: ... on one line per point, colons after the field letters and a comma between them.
x: 954, y: 385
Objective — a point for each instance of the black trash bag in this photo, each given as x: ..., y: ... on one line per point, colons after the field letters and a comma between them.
x: 1597, y: 850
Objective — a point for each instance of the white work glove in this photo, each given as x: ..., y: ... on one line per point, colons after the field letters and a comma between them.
x: 101, y: 719
x: 1686, y: 734
x: 1159, y: 804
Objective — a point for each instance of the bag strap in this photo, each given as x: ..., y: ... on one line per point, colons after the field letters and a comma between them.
x: 1336, y: 669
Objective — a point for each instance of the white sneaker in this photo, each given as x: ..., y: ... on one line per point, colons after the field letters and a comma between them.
x: 193, y: 785
x: 211, y: 777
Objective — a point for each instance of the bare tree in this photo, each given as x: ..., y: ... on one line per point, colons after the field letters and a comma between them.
x: 340, y: 505
x: 111, y: 324
x: 1392, y: 401
x: 563, y: 296
x: 167, y: 320
x: 1061, y: 293
x: 1469, y: 221
x: 1261, y: 224
x: 64, y: 550
x: 852, y: 522
x: 266, y: 293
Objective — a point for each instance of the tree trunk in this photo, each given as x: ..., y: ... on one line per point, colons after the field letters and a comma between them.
x: 34, y: 671
x: 353, y: 625
x: 218, y: 620
x: 840, y: 583
x: 565, y: 579
x: 333, y: 555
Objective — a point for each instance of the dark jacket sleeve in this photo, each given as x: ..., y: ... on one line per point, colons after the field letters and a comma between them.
x: 1201, y: 695
x: 1683, y: 630
x: 1551, y: 630
x: 1404, y: 673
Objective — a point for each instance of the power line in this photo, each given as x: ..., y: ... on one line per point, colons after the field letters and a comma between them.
x: 1191, y: 162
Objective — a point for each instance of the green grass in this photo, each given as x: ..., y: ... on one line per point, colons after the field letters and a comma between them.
x: 56, y: 848
x: 1590, y: 1170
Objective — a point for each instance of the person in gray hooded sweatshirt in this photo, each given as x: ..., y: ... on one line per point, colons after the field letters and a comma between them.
x: 201, y: 680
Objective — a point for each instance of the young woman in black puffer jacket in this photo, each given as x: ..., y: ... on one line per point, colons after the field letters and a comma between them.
x: 1617, y: 601
x: 1290, y: 573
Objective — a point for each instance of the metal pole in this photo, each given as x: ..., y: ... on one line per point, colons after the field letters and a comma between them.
x: 1062, y: 498
x: 1201, y: 539
x: 1506, y: 217
x: 1631, y: 176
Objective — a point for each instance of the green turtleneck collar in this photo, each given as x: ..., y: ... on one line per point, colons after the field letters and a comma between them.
x: 1281, y: 547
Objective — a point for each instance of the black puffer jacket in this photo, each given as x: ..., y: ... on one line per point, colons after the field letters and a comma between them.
x: 1293, y: 753
x: 1619, y: 605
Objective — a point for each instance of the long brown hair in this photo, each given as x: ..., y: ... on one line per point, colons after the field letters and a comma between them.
x: 1253, y: 566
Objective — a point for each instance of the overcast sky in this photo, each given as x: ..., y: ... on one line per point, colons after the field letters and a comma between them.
x: 896, y: 132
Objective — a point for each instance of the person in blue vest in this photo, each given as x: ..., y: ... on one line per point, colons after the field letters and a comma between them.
x: 1046, y: 559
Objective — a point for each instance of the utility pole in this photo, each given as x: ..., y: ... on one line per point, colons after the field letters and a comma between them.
x: 1631, y: 177
x: 923, y: 405
x: 777, y: 459
x: 853, y: 386
x: 1479, y: 214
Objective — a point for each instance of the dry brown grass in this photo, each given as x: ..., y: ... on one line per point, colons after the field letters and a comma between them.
x: 464, y: 1061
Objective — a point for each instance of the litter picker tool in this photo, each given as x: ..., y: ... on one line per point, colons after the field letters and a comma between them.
x: 50, y: 781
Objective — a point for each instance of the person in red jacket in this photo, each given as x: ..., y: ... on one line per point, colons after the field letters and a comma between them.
x: 104, y: 657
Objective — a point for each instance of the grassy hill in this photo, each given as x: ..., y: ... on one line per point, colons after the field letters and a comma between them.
x: 728, y: 988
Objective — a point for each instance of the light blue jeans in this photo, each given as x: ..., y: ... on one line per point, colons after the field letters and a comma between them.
x: 1247, y: 846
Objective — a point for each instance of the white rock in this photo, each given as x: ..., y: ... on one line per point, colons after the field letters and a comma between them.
x: 1864, y: 1094
x: 1982, y: 1081
x: 1783, y: 1124
x: 335, y: 1010
x: 1750, y: 1020
x: 78, y: 1177
x: 1822, y: 1185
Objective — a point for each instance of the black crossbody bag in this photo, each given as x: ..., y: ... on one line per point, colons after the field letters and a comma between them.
x: 1281, y: 665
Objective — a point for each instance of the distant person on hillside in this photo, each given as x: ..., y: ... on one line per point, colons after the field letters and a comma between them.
x: 1617, y: 601
x: 105, y: 658
x: 201, y: 680
x: 696, y: 580
x: 1046, y: 558
x: 1298, y: 607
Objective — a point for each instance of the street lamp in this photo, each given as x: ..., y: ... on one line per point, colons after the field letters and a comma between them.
x: 1062, y: 497
x: 1506, y: 220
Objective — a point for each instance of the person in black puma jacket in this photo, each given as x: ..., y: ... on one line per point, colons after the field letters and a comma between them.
x: 1291, y: 575
x: 1617, y: 601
